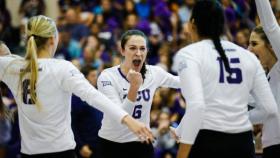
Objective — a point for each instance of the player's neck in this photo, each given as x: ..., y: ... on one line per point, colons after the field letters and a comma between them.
x: 124, y: 69
x: 44, y: 54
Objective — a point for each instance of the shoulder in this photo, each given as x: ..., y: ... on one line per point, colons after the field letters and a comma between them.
x: 195, y: 49
x: 244, y: 55
x: 107, y: 77
x: 59, y: 64
x: 60, y: 67
x: 154, y: 69
x: 109, y: 73
x: 111, y: 70
x: 7, y: 59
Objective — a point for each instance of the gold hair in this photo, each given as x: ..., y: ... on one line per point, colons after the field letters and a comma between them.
x: 39, y: 29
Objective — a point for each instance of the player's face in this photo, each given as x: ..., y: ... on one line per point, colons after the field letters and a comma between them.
x: 135, y: 52
x: 192, y: 31
x: 259, y: 48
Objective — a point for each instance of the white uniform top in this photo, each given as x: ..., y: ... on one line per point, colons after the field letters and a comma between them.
x: 49, y: 130
x: 115, y: 86
x: 215, y: 100
x: 271, y: 127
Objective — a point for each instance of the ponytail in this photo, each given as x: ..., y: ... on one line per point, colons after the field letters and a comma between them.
x: 31, y: 69
x: 219, y: 48
x: 143, y: 71
x: 208, y: 17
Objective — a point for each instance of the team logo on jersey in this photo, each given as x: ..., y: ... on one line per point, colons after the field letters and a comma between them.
x: 106, y: 83
x: 144, y: 94
x: 182, y: 65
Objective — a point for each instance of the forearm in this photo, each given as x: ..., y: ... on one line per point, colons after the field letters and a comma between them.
x: 132, y: 93
x: 184, y: 150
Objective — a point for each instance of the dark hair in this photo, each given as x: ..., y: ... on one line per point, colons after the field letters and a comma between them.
x: 125, y: 37
x: 87, y: 69
x: 208, y: 17
x: 1, y: 105
x: 259, y: 30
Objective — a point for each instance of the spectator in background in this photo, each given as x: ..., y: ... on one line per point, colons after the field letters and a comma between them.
x: 91, y: 57
x: 242, y: 38
x: 185, y: 10
x: 78, y: 30
x: 86, y: 120
x: 129, y: 7
x: 8, y: 34
x: 92, y: 52
x: 29, y: 8
x: 4, y: 13
x: 164, y: 145
x: 131, y: 21
x: 143, y: 9
x: 68, y: 48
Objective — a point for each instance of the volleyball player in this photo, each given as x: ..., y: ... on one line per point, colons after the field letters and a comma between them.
x: 42, y: 88
x: 217, y: 78
x: 131, y: 85
x: 264, y: 42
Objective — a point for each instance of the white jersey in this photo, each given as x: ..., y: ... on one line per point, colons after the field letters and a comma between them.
x: 271, y: 127
x: 49, y: 130
x: 115, y: 86
x: 215, y: 100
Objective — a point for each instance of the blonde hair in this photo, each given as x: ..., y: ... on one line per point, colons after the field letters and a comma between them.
x: 39, y: 29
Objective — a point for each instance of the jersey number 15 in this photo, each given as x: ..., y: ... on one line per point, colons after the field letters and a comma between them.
x: 236, y: 73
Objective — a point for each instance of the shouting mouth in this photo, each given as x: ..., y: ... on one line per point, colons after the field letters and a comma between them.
x: 136, y: 62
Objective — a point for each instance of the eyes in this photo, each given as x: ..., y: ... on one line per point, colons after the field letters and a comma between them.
x: 253, y: 43
x: 134, y: 49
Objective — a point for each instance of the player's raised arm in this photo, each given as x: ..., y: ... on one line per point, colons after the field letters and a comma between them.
x: 269, y: 23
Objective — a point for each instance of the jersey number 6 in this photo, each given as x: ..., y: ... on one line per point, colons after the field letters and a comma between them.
x: 137, y: 112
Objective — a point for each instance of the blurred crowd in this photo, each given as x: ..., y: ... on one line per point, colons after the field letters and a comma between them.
x: 89, y: 33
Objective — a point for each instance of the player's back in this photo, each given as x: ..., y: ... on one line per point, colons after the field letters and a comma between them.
x: 226, y: 97
x: 51, y: 124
